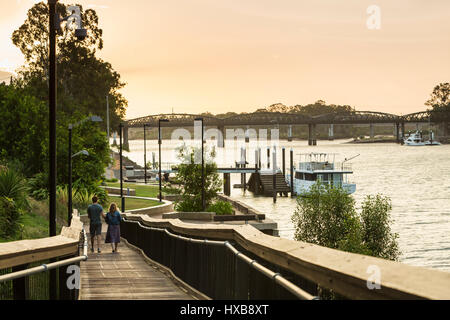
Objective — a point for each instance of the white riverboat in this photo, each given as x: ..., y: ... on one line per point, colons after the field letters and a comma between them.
x: 416, y: 140
x: 322, y: 167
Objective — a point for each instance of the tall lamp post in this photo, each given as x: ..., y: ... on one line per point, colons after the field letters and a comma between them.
x: 203, y: 165
x: 145, y: 152
x: 159, y: 164
x: 121, y: 168
x: 70, y: 156
x: 80, y: 33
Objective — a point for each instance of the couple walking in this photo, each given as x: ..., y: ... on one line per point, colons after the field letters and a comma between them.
x: 112, y: 218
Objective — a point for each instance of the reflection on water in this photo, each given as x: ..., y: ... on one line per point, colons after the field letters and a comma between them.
x: 417, y: 179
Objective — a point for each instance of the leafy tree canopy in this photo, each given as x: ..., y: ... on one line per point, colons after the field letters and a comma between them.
x: 24, y: 138
x: 190, y: 176
x: 84, y: 80
x: 440, y: 98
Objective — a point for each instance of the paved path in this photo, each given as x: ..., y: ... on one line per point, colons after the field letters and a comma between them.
x: 125, y: 275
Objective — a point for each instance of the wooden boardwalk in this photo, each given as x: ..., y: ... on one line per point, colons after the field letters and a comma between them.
x: 125, y: 275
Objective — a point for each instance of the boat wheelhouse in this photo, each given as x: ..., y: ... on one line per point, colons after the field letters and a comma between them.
x: 322, y: 167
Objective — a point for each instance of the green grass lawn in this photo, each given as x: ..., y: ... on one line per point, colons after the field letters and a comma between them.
x: 131, y: 204
x: 36, y: 226
x: 141, y: 190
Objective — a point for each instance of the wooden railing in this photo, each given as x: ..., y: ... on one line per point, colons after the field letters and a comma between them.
x: 20, y: 256
x: 309, y: 266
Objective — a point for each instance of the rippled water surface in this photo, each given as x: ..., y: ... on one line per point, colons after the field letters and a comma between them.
x: 417, y: 179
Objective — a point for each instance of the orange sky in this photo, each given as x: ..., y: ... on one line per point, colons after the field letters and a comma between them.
x: 239, y: 55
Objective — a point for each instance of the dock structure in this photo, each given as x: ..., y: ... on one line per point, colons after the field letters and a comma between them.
x: 262, y: 184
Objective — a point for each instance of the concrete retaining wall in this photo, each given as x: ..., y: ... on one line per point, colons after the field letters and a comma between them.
x: 239, y: 206
x: 116, y: 191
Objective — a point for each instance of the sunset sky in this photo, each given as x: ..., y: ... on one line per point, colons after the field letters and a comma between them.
x: 239, y: 55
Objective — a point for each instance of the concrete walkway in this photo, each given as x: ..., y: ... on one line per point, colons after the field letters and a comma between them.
x: 125, y: 275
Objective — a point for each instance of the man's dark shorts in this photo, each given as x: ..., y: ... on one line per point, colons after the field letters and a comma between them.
x: 95, y: 229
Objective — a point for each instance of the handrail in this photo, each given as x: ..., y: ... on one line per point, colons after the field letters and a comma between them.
x: 46, y: 267
x: 343, y: 272
x: 295, y: 290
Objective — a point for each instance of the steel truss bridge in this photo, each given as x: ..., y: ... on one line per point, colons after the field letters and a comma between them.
x: 278, y: 118
x: 268, y: 118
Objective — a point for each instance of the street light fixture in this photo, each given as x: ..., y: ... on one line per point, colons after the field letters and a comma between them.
x: 83, y: 152
x: 70, y: 156
x: 159, y: 165
x: 203, y: 165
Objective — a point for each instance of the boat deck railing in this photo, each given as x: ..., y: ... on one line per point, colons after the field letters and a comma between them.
x: 314, y: 166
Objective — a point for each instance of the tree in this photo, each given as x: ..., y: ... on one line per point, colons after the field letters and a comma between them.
x: 440, y: 98
x: 326, y: 216
x: 190, y: 177
x: 79, y: 70
x: 23, y: 129
x: 24, y: 139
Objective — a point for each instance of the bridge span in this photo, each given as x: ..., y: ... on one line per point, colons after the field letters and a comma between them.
x: 289, y: 120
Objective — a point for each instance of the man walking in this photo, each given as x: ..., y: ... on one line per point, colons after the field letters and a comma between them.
x: 95, y: 212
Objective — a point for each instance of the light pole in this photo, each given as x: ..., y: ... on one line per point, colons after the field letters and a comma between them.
x: 203, y: 165
x: 145, y: 153
x: 159, y: 164
x: 71, y: 127
x: 121, y: 169
x: 54, y: 26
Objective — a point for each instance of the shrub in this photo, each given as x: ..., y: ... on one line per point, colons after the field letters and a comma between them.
x: 10, y: 218
x: 38, y: 186
x: 377, y: 234
x: 327, y: 216
x: 13, y: 186
x: 187, y: 205
x: 190, y: 176
x: 221, y: 208
x: 13, y: 202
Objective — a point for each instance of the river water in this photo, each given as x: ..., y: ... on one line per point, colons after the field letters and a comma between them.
x: 417, y: 179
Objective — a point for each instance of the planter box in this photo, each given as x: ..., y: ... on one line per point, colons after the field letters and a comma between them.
x: 172, y: 197
x: 115, y: 190
x: 203, y: 216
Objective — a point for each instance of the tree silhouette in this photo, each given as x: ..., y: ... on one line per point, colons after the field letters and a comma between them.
x: 83, y: 79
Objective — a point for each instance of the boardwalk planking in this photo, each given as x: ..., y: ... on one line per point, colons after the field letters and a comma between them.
x: 125, y: 276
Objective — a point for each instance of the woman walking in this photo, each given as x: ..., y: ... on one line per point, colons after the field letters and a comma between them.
x: 113, y: 220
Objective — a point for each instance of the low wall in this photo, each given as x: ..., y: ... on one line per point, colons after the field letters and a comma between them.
x: 239, y: 205
x: 29, y: 251
x: 345, y: 273
x: 206, y: 216
x: 116, y: 191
